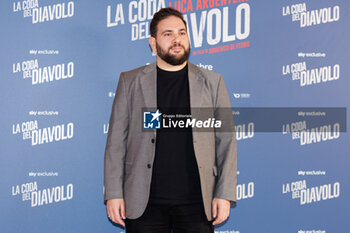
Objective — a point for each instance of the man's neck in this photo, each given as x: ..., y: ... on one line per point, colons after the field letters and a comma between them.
x: 168, y: 67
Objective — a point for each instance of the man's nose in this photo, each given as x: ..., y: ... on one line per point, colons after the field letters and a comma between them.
x: 176, y: 38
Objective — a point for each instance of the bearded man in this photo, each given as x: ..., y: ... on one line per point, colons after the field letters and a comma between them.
x: 163, y: 180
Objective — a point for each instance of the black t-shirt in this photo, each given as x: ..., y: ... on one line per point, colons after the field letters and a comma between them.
x: 175, y: 177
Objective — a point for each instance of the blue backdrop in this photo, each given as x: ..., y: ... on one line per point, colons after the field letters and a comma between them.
x: 60, y: 63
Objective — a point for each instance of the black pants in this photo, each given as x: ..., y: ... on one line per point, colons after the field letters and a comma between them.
x: 159, y: 218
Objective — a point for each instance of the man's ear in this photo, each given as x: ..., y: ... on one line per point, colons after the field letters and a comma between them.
x: 152, y: 43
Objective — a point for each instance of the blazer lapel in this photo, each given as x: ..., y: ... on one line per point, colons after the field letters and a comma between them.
x: 149, y: 89
x: 196, y: 84
x: 196, y: 91
x: 149, y: 86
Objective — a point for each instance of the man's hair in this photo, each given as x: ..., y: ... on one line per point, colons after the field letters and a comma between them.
x: 162, y: 14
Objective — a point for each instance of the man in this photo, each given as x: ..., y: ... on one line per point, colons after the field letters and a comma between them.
x: 157, y: 180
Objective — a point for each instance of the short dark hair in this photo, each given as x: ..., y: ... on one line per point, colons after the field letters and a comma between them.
x: 162, y: 14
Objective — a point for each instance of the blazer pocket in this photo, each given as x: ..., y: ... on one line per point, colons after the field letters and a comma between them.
x: 215, y: 171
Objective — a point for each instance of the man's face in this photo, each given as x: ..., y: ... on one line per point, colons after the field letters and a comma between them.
x: 172, y: 43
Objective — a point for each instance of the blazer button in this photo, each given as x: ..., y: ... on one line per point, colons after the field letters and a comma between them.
x: 149, y: 165
x: 152, y: 140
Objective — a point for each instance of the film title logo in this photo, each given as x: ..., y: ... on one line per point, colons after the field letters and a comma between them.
x: 31, y: 131
x: 201, y: 17
x: 312, y: 17
x: 39, y: 75
x: 299, y: 190
x: 307, y: 77
x: 245, y: 191
x: 39, y: 197
x: 42, y: 14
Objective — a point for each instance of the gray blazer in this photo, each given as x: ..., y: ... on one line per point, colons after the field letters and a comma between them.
x: 130, y: 150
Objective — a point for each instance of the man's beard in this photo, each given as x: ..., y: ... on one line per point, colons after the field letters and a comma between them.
x: 171, y: 59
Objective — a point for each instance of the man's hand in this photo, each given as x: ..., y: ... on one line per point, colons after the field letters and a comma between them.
x: 221, y: 210
x: 116, y: 210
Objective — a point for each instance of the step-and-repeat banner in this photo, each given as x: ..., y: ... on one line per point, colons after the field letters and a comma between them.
x: 60, y: 64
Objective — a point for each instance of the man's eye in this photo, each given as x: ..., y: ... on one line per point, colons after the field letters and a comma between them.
x: 183, y: 33
x: 166, y: 34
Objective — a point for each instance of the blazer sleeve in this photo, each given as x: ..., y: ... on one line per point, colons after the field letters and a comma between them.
x: 225, y: 147
x: 115, y: 151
